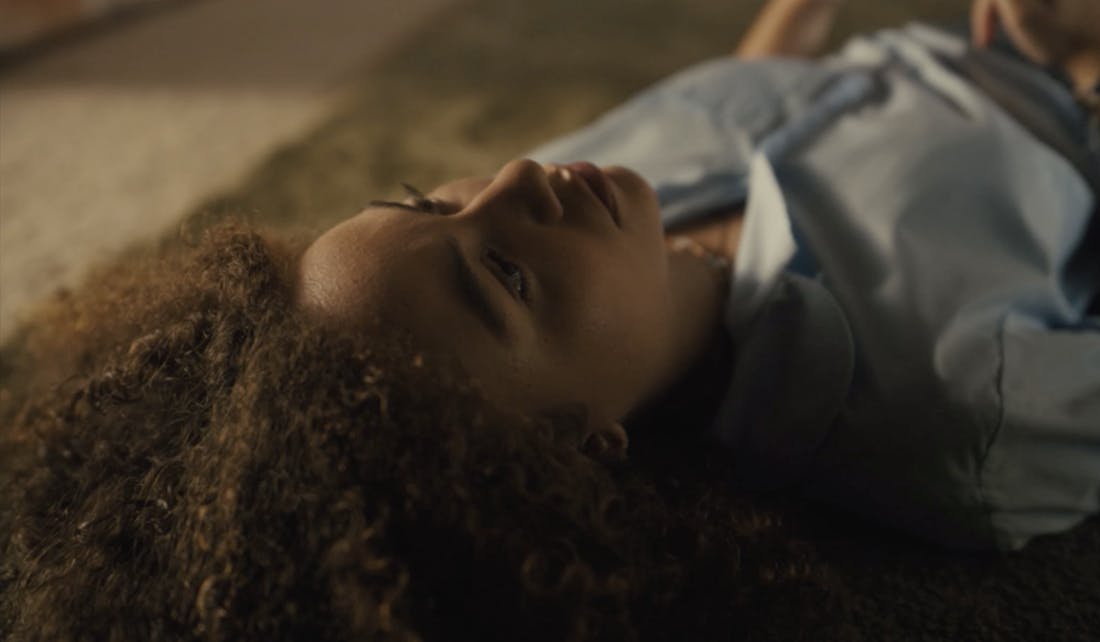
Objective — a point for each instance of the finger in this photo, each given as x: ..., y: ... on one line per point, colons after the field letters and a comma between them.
x: 1031, y: 26
x: 983, y: 22
x: 1034, y: 5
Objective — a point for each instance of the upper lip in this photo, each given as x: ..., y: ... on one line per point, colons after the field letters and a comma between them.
x: 596, y: 182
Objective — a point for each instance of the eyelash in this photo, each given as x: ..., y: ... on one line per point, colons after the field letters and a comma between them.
x: 414, y: 200
x: 421, y: 202
x: 516, y: 279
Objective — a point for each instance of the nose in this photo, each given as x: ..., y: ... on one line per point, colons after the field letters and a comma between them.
x: 523, y: 186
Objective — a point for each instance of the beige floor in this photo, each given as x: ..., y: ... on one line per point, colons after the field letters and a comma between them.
x: 296, y: 112
x: 109, y: 139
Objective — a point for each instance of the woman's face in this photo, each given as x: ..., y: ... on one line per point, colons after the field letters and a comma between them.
x: 549, y: 284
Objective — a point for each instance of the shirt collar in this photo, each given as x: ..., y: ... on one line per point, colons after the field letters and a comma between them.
x: 794, y: 354
x: 767, y: 245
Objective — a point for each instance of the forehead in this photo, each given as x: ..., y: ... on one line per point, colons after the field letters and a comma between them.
x: 390, y: 268
x: 346, y: 267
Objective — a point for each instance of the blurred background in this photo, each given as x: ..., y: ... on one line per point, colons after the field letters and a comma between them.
x: 124, y: 121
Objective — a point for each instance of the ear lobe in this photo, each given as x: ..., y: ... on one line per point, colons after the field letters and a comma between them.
x: 600, y: 439
x: 605, y: 441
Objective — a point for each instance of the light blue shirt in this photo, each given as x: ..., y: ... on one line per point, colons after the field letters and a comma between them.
x: 909, y: 297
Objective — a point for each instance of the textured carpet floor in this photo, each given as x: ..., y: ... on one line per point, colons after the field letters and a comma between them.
x: 495, y: 78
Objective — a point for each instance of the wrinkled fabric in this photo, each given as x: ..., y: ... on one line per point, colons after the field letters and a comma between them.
x: 908, y: 301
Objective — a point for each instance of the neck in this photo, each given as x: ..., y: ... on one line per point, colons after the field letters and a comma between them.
x: 702, y: 354
x: 700, y: 286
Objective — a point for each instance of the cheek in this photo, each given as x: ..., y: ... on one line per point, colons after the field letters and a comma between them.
x: 619, y: 291
x: 620, y: 319
x: 618, y: 349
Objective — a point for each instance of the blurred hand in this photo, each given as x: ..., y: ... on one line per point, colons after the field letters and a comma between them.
x: 1049, y: 32
x: 798, y: 28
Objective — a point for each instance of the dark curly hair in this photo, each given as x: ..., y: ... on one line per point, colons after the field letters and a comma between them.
x: 184, y: 457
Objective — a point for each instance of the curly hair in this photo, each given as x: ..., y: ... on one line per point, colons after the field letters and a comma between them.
x: 184, y: 457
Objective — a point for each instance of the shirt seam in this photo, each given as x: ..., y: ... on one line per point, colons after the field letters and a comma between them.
x: 998, y: 389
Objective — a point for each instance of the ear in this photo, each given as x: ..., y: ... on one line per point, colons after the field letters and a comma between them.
x: 600, y: 439
x: 605, y: 441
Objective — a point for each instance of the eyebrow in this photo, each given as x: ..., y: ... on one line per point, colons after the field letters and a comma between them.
x: 473, y: 292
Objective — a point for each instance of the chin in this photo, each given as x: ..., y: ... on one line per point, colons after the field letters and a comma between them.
x: 637, y: 194
x: 630, y: 182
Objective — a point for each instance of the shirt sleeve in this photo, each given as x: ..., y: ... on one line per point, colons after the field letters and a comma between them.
x: 1042, y: 471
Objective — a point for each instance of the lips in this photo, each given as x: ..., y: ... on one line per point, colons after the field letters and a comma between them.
x: 598, y: 182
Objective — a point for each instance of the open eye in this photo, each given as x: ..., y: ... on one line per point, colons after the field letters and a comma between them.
x: 510, y: 275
